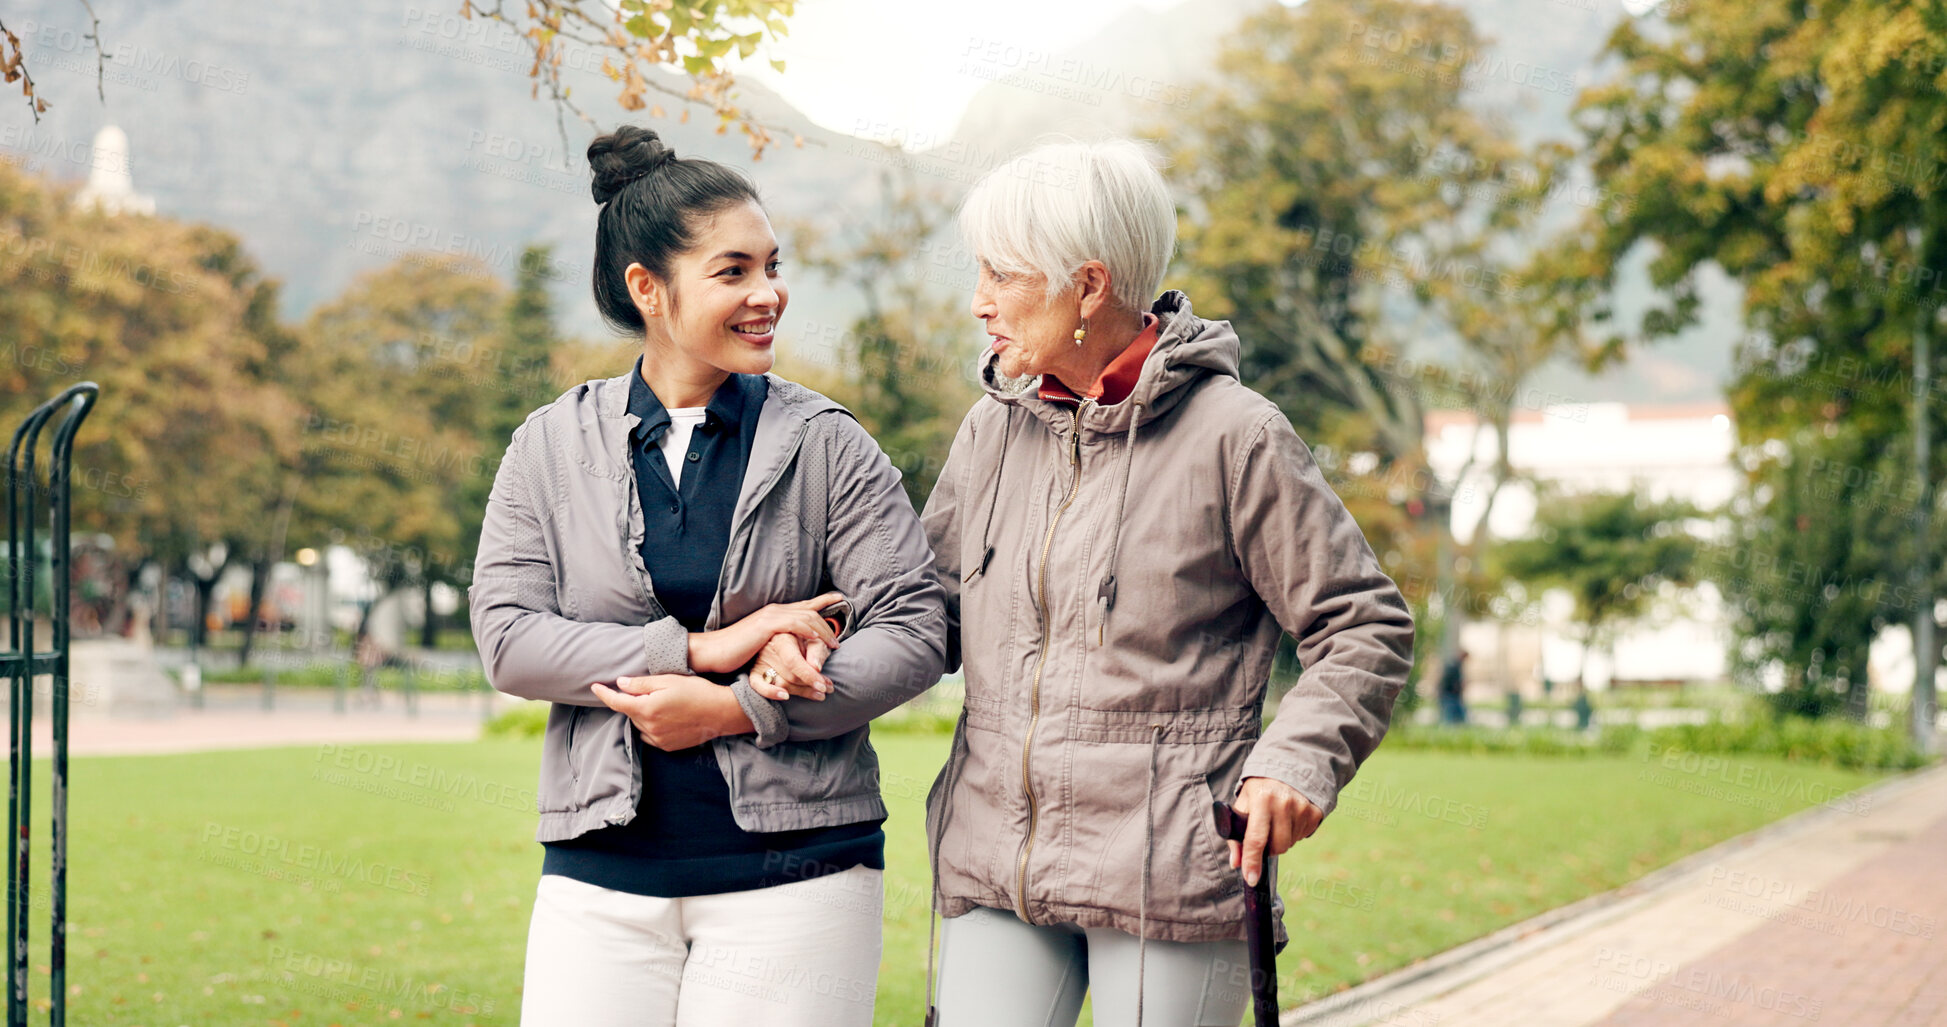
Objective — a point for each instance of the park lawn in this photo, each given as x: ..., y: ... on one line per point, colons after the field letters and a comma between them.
x: 381, y: 884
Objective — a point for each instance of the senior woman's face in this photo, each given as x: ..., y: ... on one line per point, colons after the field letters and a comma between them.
x: 1029, y: 332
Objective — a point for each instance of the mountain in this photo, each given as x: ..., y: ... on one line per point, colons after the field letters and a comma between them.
x: 333, y: 136
x: 1135, y: 74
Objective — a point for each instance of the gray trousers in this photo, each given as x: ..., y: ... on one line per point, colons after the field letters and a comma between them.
x: 996, y: 971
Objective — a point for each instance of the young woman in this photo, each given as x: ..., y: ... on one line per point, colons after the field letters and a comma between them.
x: 658, y: 554
x: 1122, y: 542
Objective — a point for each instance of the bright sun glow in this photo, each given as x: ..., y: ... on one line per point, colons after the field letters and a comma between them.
x: 892, y: 69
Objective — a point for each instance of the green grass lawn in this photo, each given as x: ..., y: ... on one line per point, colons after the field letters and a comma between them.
x: 380, y: 884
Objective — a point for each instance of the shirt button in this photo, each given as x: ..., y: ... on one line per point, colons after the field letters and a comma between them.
x: 694, y: 457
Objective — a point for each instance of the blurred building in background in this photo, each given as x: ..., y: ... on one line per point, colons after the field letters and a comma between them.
x: 111, y: 177
x: 1680, y: 451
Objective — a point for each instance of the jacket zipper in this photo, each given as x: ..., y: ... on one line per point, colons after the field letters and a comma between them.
x: 1041, y: 662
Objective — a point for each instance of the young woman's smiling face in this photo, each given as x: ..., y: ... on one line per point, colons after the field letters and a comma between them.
x: 724, y: 296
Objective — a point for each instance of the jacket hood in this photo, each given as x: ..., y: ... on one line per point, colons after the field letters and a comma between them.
x: 1187, y: 348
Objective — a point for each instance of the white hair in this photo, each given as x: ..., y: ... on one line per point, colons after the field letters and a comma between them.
x: 1060, y: 205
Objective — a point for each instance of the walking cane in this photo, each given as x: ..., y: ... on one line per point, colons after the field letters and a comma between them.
x: 1258, y: 930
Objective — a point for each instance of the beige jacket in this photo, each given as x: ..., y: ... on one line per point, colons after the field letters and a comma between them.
x: 1117, y: 580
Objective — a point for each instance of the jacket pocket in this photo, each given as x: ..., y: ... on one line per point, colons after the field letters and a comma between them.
x: 586, y: 758
x: 1190, y: 878
x: 565, y: 759
x: 977, y: 814
x: 573, y: 751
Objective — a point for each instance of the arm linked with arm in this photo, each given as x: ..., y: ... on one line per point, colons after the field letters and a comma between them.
x: 1306, y: 558
x: 527, y: 647
x: 877, y: 556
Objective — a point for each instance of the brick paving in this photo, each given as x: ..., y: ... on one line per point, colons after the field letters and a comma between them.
x: 1867, y: 947
x: 1838, y: 916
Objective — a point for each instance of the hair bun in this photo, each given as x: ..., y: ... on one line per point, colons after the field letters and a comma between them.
x: 622, y: 156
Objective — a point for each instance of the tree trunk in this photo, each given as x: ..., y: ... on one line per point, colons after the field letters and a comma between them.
x: 159, y: 624
x: 1582, y: 670
x: 364, y: 622
x: 1858, y: 690
x: 199, y: 631
x: 205, y: 593
x: 124, y: 622
x: 259, y: 579
x: 1926, y: 645
x: 429, y: 624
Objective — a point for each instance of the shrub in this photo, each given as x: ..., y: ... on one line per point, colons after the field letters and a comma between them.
x: 1831, y: 741
x: 528, y: 720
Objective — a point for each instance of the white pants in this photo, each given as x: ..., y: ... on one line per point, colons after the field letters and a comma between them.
x: 801, y: 954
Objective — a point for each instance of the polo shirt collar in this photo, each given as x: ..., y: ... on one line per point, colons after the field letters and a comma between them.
x: 727, y: 406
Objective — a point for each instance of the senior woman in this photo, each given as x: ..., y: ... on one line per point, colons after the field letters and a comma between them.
x: 1124, y: 530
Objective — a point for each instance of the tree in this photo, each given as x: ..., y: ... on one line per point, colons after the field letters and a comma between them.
x: 636, y: 38
x: 899, y: 371
x: 523, y: 368
x: 1808, y: 567
x: 176, y: 324
x: 1611, y: 552
x: 1341, y: 198
x: 13, y: 63
x: 517, y: 377
x: 1796, y: 147
x: 403, y: 391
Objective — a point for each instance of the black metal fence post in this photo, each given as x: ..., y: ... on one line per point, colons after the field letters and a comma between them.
x: 22, y: 664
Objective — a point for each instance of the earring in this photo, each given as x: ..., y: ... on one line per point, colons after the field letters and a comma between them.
x: 1082, y: 332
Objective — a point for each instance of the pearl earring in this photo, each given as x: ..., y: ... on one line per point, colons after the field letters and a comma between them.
x: 1082, y: 332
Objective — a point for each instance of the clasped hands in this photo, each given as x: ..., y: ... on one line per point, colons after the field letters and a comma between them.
x: 784, y: 646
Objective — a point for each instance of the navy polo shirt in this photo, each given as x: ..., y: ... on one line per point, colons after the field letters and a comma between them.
x: 684, y: 840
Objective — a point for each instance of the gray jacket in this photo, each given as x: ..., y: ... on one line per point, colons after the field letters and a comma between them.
x: 560, y: 599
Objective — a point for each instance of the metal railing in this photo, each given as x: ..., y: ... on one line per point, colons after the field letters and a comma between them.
x: 22, y: 664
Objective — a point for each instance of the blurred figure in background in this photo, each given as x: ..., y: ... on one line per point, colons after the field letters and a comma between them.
x: 1452, y: 683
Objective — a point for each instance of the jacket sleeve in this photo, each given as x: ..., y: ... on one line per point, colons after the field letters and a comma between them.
x: 1307, y: 559
x: 944, y: 512
x: 876, y: 554
x: 526, y: 647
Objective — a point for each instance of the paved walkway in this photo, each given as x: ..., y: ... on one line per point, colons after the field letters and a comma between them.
x: 1837, y: 915
x: 234, y: 718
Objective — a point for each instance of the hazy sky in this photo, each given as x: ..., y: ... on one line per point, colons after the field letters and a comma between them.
x: 892, y: 67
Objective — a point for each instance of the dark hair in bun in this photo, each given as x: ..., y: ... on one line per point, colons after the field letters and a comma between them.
x: 650, y: 200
